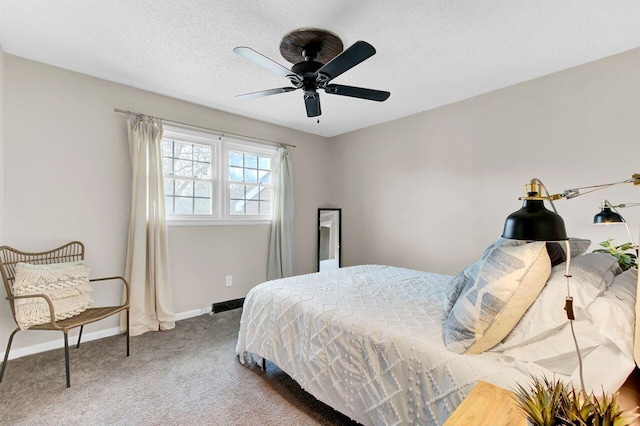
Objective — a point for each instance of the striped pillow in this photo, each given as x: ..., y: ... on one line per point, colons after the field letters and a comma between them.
x: 458, y: 283
x: 504, y: 283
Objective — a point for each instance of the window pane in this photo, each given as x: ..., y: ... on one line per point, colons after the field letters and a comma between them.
x: 167, y: 166
x: 183, y: 150
x: 236, y: 207
x: 183, y: 168
x: 264, y: 163
x: 252, y: 207
x: 236, y: 191
x: 265, y: 193
x: 265, y: 207
x: 168, y: 205
x: 202, y: 153
x: 184, y: 205
x: 250, y: 175
x: 167, y: 148
x: 184, y: 188
x: 235, y: 174
x: 202, y: 170
x: 251, y: 161
x: 202, y: 206
x: 263, y: 176
x: 203, y: 189
x: 168, y: 186
x: 253, y: 192
x: 235, y: 159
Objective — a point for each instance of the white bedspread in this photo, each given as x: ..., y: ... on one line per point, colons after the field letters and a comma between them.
x: 367, y: 340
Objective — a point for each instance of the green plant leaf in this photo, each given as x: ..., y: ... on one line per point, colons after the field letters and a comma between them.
x: 547, y: 402
x: 625, y: 259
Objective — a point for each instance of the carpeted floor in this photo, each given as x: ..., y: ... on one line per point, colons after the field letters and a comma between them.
x: 186, y: 376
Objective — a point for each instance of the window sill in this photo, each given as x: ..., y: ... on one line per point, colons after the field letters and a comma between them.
x: 211, y: 222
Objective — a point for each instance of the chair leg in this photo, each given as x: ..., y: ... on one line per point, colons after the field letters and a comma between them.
x: 66, y: 358
x: 79, y: 336
x: 127, y: 332
x: 6, y: 354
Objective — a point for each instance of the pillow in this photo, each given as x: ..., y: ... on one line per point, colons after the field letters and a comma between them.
x: 578, y: 246
x: 67, y: 284
x: 556, y: 253
x: 460, y: 281
x: 505, y: 283
x: 604, y: 334
x: 591, y: 273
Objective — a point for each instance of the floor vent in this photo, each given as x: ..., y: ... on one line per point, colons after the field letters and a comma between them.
x: 227, y: 306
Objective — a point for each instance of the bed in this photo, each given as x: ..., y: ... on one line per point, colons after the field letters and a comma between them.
x: 368, y: 340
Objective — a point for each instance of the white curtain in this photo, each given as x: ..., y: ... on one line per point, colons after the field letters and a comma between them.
x: 281, y: 246
x: 147, y: 268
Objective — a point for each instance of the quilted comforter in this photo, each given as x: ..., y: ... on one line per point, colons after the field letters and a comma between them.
x: 367, y: 340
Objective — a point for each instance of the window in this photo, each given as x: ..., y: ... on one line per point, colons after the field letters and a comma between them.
x: 207, y: 177
x: 188, y: 177
x: 249, y: 183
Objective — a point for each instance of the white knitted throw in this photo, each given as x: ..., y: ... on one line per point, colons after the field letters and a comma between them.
x: 67, y: 284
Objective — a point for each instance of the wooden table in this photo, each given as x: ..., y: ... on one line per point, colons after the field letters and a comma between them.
x: 487, y: 405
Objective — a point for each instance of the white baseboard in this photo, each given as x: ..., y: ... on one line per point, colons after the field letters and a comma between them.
x: 194, y: 313
x: 86, y: 337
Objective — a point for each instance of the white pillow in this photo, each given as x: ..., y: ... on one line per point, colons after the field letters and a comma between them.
x: 504, y: 284
x: 67, y: 284
x: 605, y: 336
x: 591, y: 273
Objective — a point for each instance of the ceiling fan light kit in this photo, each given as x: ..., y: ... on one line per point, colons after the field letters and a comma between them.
x: 317, y: 59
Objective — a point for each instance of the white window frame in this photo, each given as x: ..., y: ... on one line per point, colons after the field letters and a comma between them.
x: 247, y: 148
x: 220, y: 177
x: 189, y: 136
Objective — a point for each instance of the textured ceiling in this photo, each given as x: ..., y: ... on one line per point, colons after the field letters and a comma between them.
x: 430, y: 53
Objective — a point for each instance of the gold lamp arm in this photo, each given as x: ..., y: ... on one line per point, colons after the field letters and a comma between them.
x: 575, y: 192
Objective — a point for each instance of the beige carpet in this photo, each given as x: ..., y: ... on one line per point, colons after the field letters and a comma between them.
x: 186, y: 376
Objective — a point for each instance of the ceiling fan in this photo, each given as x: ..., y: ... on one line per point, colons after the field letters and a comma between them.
x: 318, y: 58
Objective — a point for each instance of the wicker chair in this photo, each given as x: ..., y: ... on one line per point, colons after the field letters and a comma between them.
x: 73, y: 251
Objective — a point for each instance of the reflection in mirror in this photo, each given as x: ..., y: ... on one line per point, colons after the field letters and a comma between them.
x: 329, y: 228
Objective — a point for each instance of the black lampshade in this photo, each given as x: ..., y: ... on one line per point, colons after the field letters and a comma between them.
x: 533, y: 222
x: 607, y: 216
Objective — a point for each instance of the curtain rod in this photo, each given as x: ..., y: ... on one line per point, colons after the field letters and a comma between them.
x: 216, y: 132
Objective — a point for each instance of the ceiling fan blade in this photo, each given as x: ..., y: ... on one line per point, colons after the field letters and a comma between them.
x: 348, y: 59
x: 357, y: 92
x: 312, y: 102
x: 252, y: 55
x: 266, y: 93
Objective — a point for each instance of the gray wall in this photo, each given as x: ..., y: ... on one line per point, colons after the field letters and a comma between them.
x: 431, y: 191
x: 1, y: 144
x: 68, y: 177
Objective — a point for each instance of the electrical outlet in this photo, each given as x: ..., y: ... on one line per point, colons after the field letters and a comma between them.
x: 229, y: 280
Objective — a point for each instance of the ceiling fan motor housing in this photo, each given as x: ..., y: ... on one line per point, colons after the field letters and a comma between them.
x: 306, y: 67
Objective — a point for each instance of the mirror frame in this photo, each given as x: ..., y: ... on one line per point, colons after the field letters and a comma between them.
x: 339, y: 210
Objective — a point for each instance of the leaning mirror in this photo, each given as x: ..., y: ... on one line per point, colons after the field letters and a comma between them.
x: 329, y: 227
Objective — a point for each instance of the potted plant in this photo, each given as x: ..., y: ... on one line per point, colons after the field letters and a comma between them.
x: 625, y: 253
x: 548, y: 403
